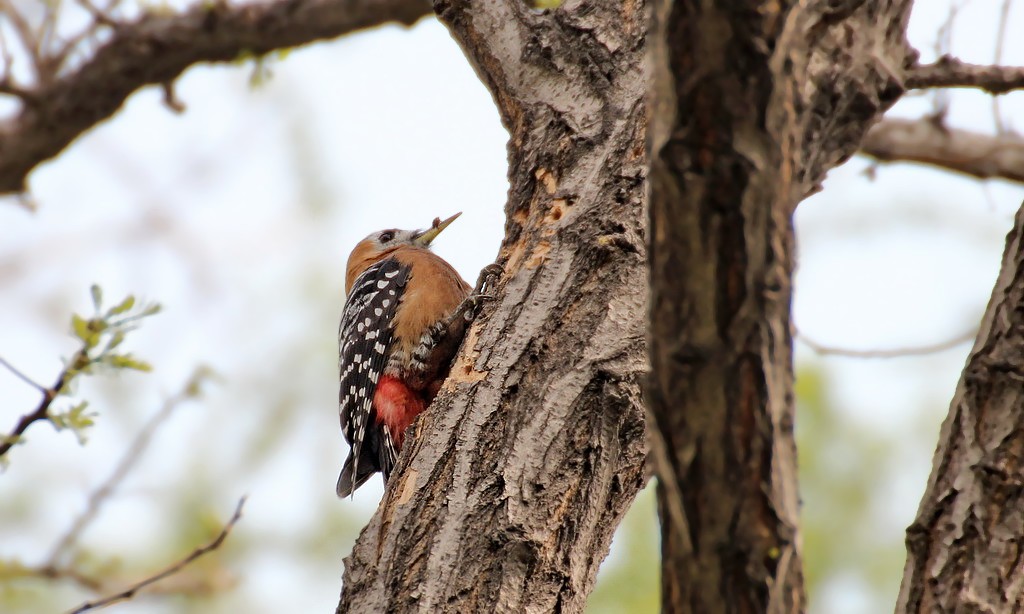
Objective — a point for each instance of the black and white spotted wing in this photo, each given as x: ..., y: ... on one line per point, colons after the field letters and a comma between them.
x: 364, y: 339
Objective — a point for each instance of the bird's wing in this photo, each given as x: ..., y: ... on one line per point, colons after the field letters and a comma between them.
x: 364, y: 340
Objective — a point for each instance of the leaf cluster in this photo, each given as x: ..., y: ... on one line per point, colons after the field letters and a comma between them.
x: 101, y: 336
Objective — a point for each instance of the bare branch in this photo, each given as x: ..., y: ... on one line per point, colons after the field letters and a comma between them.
x: 202, y: 582
x: 46, y: 30
x: 951, y: 72
x: 1004, y: 18
x: 42, y: 411
x: 920, y: 350
x: 926, y: 141
x: 10, y: 88
x: 131, y: 591
x: 157, y: 48
x: 99, y: 16
x: 27, y: 38
x: 944, y: 46
x: 131, y: 457
x: 67, y: 573
x: 28, y: 380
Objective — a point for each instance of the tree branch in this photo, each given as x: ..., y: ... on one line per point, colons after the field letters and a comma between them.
x: 22, y: 376
x: 157, y: 48
x: 130, y: 592
x: 42, y: 411
x: 927, y: 141
x: 948, y: 71
x: 919, y: 350
x: 964, y: 547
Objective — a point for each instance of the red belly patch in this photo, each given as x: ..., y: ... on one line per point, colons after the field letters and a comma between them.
x: 397, y: 406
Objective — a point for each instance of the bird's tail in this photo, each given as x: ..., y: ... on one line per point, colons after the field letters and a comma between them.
x: 347, y: 483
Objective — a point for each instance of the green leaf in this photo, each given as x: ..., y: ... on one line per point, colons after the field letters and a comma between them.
x: 81, y: 327
x: 88, y: 330
x: 115, y: 340
x: 76, y: 419
x: 127, y: 361
x: 122, y: 307
x: 97, y: 296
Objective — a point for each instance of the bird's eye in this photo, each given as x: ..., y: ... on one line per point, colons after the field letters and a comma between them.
x: 386, y: 236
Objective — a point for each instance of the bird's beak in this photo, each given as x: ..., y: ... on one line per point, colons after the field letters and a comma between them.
x: 424, y: 238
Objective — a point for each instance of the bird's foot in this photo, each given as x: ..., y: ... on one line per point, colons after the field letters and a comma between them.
x: 486, y: 285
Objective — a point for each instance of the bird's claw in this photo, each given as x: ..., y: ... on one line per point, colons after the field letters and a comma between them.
x: 488, y: 278
x: 484, y: 290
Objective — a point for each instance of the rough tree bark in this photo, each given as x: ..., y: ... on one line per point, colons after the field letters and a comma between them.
x: 965, y: 549
x: 522, y: 468
x: 753, y: 107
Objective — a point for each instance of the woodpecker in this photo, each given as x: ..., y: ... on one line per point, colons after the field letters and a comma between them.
x: 405, y: 314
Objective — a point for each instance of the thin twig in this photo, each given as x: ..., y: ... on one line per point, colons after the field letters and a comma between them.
x: 934, y: 348
x: 5, y: 55
x: 127, y: 462
x: 47, y: 27
x: 943, y: 47
x: 1004, y: 17
x: 62, y: 573
x: 42, y: 411
x: 130, y: 592
x: 25, y: 34
x: 69, y: 45
x: 28, y: 380
x: 99, y: 16
x: 10, y: 88
x: 944, y: 35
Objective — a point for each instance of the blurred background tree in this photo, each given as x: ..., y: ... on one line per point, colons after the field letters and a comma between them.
x: 236, y: 216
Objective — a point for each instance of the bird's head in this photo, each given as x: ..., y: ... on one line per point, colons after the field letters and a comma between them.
x: 379, y: 244
x: 384, y: 241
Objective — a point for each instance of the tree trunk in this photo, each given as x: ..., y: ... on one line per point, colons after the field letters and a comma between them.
x: 507, y: 497
x: 752, y: 107
x: 965, y: 549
